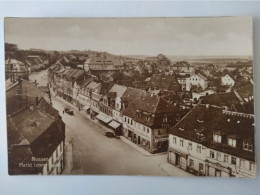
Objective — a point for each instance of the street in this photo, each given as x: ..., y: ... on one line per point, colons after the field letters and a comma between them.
x: 94, y: 153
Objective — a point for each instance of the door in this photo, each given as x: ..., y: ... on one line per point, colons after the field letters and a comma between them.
x: 183, y: 163
x: 138, y: 140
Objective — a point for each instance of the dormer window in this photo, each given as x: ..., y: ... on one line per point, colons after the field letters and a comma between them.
x: 232, y: 142
x: 148, y: 118
x: 217, y: 138
x: 165, y: 119
x: 248, y: 146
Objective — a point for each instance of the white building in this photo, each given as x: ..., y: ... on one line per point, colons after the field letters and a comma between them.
x: 227, y: 80
x: 210, y: 141
x: 197, y: 80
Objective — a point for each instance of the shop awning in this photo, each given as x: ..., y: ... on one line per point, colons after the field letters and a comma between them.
x: 114, y: 124
x: 104, y: 118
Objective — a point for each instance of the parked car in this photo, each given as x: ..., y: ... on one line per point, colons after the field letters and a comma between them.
x: 68, y: 111
x: 110, y: 134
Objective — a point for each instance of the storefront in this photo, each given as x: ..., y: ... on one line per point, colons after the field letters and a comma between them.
x: 217, y: 170
x: 178, y: 158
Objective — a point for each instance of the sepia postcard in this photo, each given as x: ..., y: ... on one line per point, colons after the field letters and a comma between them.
x: 130, y: 96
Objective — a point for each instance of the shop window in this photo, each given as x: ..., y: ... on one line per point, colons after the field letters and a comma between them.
x: 201, y: 167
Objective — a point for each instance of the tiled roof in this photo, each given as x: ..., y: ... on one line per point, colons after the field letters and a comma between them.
x: 32, y: 123
x: 201, y: 76
x: 131, y: 94
x: 153, y: 106
x: 221, y: 99
x: 245, y: 90
x: 119, y: 89
x: 167, y: 82
x: 202, y: 121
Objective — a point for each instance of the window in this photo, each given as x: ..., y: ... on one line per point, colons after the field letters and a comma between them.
x: 242, y: 164
x: 148, y: 118
x: 225, y: 158
x: 201, y: 167
x: 252, y: 166
x: 198, y: 148
x: 159, y: 132
x: 218, y: 155
x: 233, y: 160
x: 174, y: 140
x: 232, y: 142
x: 181, y: 142
x: 190, y: 146
x: 216, y: 138
x: 212, y: 154
x: 147, y: 130
x: 191, y: 163
x: 247, y: 146
x: 165, y: 119
x: 56, y: 153
x: 144, y: 128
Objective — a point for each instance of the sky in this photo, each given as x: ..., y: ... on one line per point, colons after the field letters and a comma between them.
x: 215, y: 36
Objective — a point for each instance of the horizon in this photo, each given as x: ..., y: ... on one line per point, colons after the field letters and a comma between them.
x: 205, y: 36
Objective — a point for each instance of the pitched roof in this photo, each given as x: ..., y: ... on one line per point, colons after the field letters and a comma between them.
x: 32, y: 123
x: 202, y: 122
x: 153, y: 106
x: 201, y: 76
x: 131, y: 94
x: 221, y: 99
x: 119, y: 89
x: 245, y: 90
x: 168, y: 82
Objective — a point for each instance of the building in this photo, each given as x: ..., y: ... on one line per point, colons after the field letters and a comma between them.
x: 163, y: 82
x: 146, y: 121
x: 22, y: 93
x: 35, y: 141
x: 80, y: 97
x: 227, y: 80
x: 15, y: 69
x: 196, y: 82
x: 211, y: 141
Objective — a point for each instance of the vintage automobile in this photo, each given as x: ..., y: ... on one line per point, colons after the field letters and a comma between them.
x: 68, y: 111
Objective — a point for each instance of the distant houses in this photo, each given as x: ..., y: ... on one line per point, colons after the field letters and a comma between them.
x: 227, y: 80
x: 196, y: 81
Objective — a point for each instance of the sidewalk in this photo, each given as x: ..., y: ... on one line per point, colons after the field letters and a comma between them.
x: 172, y: 170
x: 143, y: 151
